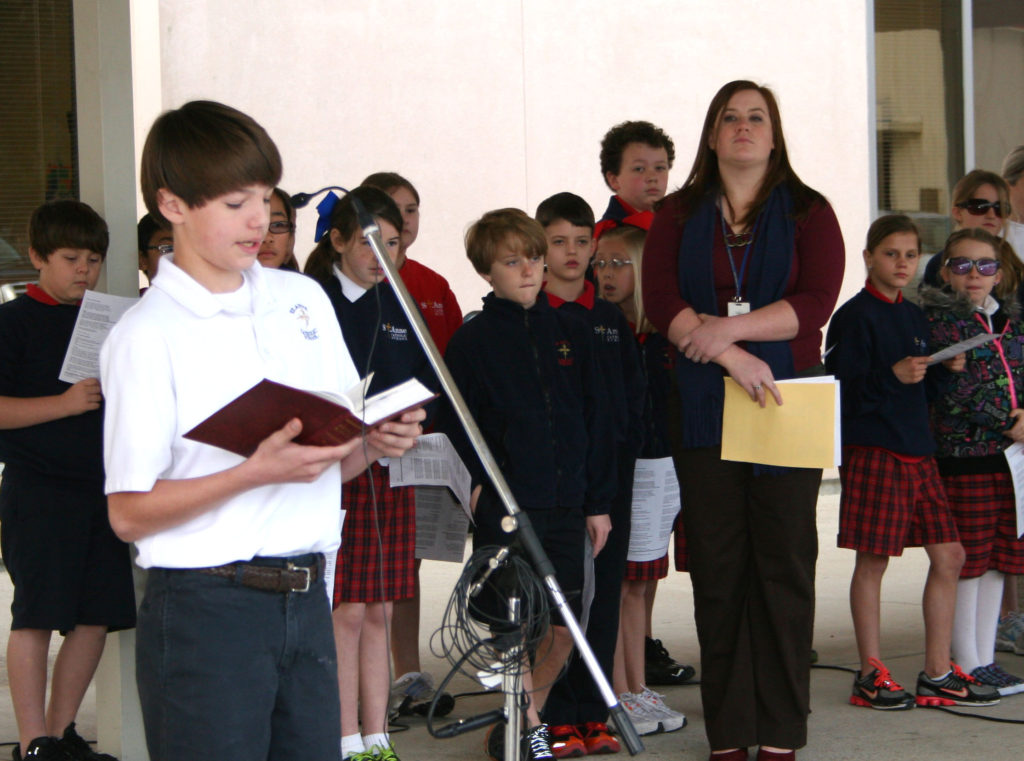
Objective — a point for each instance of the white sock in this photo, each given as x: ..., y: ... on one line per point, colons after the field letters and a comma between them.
x: 352, y: 744
x: 990, y: 597
x: 965, y: 625
x: 381, y: 740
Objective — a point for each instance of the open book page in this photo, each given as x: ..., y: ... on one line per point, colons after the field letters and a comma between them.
x: 98, y: 313
x: 433, y: 462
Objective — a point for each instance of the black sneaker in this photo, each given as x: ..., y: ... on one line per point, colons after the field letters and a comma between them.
x: 954, y: 689
x: 536, y: 744
x: 879, y: 690
x: 660, y: 668
x: 42, y: 749
x: 494, y: 742
x: 77, y: 748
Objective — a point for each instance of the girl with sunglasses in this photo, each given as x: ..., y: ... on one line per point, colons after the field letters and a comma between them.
x: 981, y: 199
x: 975, y: 417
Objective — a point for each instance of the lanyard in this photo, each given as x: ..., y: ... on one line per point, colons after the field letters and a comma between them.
x: 998, y: 341
x: 737, y: 279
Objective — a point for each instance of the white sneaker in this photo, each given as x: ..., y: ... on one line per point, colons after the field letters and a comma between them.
x: 642, y: 722
x: 670, y: 720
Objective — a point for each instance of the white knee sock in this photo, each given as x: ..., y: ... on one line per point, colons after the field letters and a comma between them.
x: 965, y: 626
x: 990, y: 596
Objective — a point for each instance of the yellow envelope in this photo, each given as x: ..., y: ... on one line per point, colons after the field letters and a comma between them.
x: 802, y: 433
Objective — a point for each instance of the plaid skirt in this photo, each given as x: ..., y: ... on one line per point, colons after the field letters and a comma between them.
x: 369, y: 570
x: 888, y: 504
x: 647, y: 570
x: 985, y: 511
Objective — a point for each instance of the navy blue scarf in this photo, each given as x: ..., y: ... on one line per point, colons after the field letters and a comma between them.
x: 701, y: 388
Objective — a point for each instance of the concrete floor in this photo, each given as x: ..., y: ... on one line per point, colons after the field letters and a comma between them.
x: 838, y: 731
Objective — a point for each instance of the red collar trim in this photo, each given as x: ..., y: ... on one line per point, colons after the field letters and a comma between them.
x: 881, y: 296
x: 33, y: 291
x: 585, y: 299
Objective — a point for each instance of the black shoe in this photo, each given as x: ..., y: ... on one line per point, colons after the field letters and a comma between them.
x: 494, y: 742
x: 660, y: 668
x: 879, y: 690
x: 536, y: 745
x: 77, y: 748
x: 42, y: 749
x: 955, y: 689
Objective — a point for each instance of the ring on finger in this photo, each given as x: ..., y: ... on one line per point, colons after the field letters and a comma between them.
x: 757, y: 387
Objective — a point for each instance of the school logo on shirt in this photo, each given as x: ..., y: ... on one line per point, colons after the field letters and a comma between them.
x: 564, y: 351
x: 394, y: 332
x: 302, y: 315
x: 434, y: 307
x: 606, y: 335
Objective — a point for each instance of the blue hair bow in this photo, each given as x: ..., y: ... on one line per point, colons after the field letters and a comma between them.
x: 324, y: 210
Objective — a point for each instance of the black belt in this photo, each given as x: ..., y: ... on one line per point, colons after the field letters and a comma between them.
x: 269, y: 578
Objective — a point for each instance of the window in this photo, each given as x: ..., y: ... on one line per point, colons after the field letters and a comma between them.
x: 38, y: 159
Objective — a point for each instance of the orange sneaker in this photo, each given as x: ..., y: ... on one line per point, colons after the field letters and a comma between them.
x: 597, y: 738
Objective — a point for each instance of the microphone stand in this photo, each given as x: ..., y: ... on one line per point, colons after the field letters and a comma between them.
x: 516, y: 518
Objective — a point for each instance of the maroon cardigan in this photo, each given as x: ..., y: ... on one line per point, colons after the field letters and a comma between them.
x: 819, y: 260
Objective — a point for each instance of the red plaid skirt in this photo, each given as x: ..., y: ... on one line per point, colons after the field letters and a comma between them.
x: 888, y: 504
x: 647, y: 570
x: 985, y: 512
x: 360, y: 576
x: 682, y: 557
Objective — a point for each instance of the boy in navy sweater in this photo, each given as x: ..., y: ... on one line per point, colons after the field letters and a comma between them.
x: 575, y: 711
x: 70, y: 572
x: 530, y: 379
x: 892, y: 494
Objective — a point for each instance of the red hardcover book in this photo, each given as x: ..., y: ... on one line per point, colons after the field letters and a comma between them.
x: 327, y: 419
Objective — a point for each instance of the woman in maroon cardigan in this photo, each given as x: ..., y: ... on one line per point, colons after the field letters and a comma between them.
x: 742, y: 268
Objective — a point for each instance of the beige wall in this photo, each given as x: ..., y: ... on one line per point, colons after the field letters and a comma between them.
x: 998, y: 99
x: 504, y: 103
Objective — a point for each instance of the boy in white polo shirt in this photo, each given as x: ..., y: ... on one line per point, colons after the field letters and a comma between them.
x: 235, y: 655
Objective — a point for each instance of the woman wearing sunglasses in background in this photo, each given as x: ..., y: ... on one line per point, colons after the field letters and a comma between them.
x: 980, y: 199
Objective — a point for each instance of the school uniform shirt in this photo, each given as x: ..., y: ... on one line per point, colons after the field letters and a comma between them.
x: 181, y: 354
x: 621, y: 213
x: 438, y: 305
x: 618, y: 361
x: 378, y: 334
x: 34, y: 334
x: 529, y: 379
x: 868, y: 335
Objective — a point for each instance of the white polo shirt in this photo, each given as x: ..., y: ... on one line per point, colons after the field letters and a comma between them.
x: 182, y: 353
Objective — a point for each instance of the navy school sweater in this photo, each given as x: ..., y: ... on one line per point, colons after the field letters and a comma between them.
x: 532, y: 384
x: 867, y: 336
x: 34, y: 338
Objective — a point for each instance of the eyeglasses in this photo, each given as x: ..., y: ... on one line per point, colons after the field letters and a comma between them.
x: 281, y: 227
x: 162, y: 249
x: 979, y: 207
x: 617, y: 264
x: 961, y: 265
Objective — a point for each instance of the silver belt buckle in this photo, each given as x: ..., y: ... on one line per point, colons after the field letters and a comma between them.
x: 304, y: 569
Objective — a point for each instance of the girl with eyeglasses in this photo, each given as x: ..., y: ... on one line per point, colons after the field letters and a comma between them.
x: 278, y: 248
x: 616, y: 265
x: 981, y: 199
x: 976, y: 415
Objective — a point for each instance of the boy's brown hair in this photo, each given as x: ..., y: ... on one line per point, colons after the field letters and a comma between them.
x: 204, y: 150
x: 510, y: 227
x: 67, y: 223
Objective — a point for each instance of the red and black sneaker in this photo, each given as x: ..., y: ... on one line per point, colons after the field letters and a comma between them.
x: 954, y: 689
x: 597, y: 738
x: 565, y: 741
x: 879, y: 690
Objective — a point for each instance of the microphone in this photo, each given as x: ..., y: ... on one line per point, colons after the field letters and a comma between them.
x: 467, y: 725
x: 493, y: 563
x: 301, y: 200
